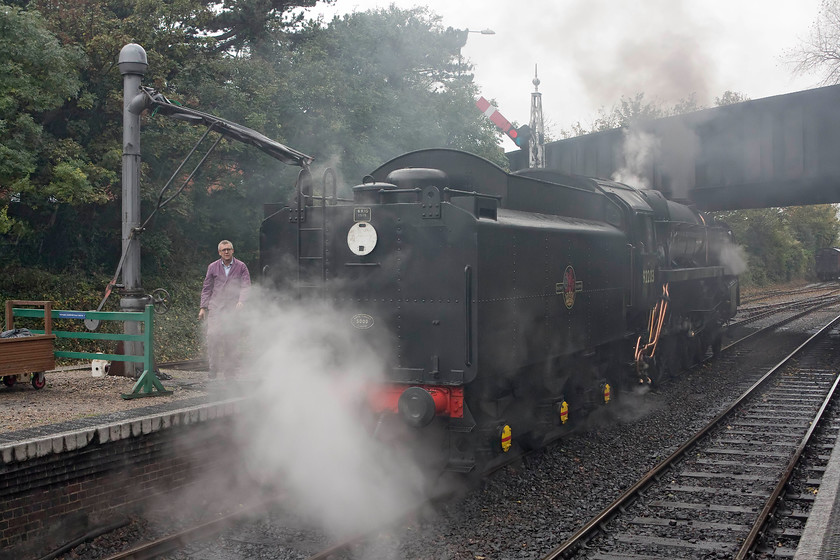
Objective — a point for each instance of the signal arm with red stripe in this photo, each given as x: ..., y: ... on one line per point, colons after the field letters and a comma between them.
x: 499, y: 120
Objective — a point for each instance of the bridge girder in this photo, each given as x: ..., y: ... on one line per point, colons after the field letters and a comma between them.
x: 777, y: 151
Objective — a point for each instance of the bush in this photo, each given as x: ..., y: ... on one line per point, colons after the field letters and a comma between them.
x: 176, y: 332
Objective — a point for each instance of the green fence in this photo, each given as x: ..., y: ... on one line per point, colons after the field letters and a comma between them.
x: 147, y: 385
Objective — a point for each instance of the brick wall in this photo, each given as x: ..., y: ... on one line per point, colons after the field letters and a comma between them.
x: 49, y: 500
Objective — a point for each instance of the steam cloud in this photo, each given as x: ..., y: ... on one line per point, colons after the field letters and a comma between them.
x: 661, y: 48
x: 304, y: 431
x: 733, y: 258
x: 641, y: 149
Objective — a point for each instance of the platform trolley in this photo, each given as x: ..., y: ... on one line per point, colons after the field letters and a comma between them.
x: 27, y: 357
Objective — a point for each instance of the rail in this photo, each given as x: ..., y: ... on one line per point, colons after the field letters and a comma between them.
x: 579, y: 539
x: 147, y: 385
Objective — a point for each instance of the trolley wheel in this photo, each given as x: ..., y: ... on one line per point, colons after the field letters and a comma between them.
x: 39, y: 380
x: 9, y: 380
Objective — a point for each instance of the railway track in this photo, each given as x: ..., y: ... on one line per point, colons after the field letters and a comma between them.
x: 786, y: 531
x: 715, y: 493
x: 202, y: 531
x: 747, y: 316
x: 802, y: 290
x: 734, y: 352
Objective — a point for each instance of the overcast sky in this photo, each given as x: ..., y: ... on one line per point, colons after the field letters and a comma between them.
x: 591, y: 52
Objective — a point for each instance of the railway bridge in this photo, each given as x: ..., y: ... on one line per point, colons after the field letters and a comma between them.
x: 776, y: 151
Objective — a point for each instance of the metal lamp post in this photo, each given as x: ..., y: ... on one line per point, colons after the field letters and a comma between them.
x: 468, y: 31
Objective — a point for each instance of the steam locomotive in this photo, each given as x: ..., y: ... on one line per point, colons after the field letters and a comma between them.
x: 512, y: 303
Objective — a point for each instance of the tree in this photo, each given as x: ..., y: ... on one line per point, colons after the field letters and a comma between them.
x: 773, y: 252
x: 820, y: 51
x: 781, y: 242
x: 37, y: 76
x: 371, y: 85
x: 68, y: 212
x: 629, y: 110
x: 816, y: 227
x: 730, y: 97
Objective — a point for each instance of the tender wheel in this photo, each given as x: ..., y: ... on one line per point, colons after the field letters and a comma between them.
x: 9, y: 380
x: 39, y: 380
x: 698, y: 349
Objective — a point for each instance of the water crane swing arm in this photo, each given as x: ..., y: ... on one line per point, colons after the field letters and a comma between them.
x: 161, y: 202
x: 151, y: 98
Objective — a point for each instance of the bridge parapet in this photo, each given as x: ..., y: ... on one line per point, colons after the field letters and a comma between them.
x: 777, y: 151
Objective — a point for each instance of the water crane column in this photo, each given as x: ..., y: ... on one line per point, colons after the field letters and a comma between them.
x: 133, y: 64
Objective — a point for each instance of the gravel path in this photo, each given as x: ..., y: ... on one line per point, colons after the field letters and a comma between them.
x: 71, y: 394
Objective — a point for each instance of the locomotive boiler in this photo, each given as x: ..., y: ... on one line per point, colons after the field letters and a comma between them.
x: 512, y: 303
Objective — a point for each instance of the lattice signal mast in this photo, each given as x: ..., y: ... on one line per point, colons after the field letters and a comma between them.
x: 529, y: 137
x: 536, y: 145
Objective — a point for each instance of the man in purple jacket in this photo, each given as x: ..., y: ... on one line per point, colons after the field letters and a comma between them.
x: 225, y: 290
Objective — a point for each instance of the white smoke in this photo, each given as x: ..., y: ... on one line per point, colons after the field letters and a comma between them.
x: 733, y: 257
x: 640, y: 149
x: 304, y: 430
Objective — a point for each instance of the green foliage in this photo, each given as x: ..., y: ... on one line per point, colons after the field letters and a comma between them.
x: 781, y: 242
x: 816, y: 227
x: 37, y: 75
x: 372, y: 85
x: 730, y: 97
x: 632, y: 109
x: 61, y: 113
x: 66, y: 291
x: 352, y: 92
x: 177, y: 333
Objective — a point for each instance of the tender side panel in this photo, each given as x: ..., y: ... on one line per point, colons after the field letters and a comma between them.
x: 547, y: 287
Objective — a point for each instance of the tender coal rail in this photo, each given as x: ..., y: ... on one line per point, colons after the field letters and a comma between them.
x: 713, y: 495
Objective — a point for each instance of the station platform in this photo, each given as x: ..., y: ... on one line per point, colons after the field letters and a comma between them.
x: 75, y: 407
x: 821, y: 536
x: 75, y: 455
